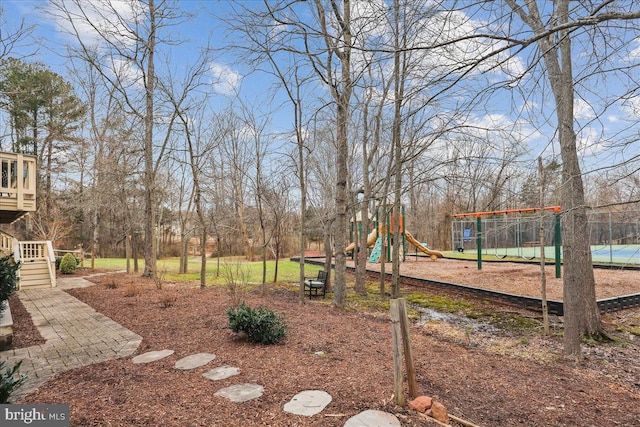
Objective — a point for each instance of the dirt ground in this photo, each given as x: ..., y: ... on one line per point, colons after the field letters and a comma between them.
x: 515, y: 278
x: 487, y: 376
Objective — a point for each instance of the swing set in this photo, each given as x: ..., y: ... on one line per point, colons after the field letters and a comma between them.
x: 509, y: 232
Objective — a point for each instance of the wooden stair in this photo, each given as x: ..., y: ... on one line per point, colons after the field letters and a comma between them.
x: 35, y: 275
x: 38, y: 269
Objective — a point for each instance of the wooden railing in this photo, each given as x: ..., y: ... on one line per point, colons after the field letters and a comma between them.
x: 6, y: 243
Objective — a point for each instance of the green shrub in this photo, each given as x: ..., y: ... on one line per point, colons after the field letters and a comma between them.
x: 68, y: 264
x: 9, y: 380
x: 59, y: 260
x: 261, y: 325
x: 8, y: 279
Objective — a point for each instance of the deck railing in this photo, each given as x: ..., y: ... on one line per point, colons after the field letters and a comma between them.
x: 6, y: 243
x: 18, y: 181
x: 36, y: 251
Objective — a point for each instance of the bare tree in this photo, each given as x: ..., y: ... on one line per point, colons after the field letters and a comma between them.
x: 191, y: 112
x: 554, y: 37
x: 264, y: 44
x: 12, y: 37
x: 339, y: 45
x: 128, y: 39
x: 278, y: 198
x: 238, y: 155
x: 550, y: 28
x: 107, y: 132
x: 255, y: 134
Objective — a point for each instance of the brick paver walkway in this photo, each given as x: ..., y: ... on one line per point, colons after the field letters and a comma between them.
x: 76, y: 335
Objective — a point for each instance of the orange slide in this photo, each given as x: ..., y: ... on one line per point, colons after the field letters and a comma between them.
x: 433, y: 254
x: 371, y: 240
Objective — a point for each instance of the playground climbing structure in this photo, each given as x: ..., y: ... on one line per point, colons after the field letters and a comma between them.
x: 380, y: 238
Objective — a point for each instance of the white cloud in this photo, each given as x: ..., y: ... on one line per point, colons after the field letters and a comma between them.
x: 368, y: 18
x: 589, y: 142
x: 631, y: 107
x: 97, y: 20
x: 225, y: 80
x: 128, y: 73
x: 635, y: 53
x: 583, y: 110
x: 457, y: 50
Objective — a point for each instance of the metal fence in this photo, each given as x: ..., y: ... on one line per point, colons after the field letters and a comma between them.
x: 614, y: 236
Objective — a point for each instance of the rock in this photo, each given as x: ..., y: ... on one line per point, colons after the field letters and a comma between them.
x: 241, y: 392
x: 421, y: 403
x: 194, y: 361
x: 439, y: 412
x: 373, y: 418
x: 308, y: 403
x: 221, y: 373
x: 151, y: 356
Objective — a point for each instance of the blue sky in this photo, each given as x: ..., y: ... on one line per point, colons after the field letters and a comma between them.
x: 501, y: 111
x: 227, y: 76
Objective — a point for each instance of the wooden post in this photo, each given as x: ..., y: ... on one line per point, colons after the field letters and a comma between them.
x: 400, y: 332
x: 408, y: 353
x: 396, y: 334
x: 543, y: 277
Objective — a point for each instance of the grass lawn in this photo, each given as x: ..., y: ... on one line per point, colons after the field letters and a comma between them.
x: 229, y: 268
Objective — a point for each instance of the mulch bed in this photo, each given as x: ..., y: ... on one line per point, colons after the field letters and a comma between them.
x: 25, y: 333
x: 490, y: 379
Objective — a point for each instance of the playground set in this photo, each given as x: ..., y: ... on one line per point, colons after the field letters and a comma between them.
x: 506, y: 235
x: 512, y: 233
x: 380, y: 236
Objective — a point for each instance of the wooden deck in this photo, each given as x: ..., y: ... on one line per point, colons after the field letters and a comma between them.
x: 17, y: 186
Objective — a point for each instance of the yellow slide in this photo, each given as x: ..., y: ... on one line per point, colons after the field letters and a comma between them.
x: 371, y: 240
x: 433, y: 254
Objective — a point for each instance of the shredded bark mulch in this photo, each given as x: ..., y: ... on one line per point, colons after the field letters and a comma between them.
x: 25, y: 333
x: 489, y: 377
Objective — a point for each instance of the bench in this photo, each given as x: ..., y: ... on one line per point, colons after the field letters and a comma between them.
x: 315, y: 285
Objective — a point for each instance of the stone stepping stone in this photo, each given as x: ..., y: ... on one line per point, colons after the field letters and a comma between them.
x: 194, y: 361
x: 373, y: 418
x: 308, y: 402
x: 152, y: 356
x: 221, y: 373
x: 241, y: 392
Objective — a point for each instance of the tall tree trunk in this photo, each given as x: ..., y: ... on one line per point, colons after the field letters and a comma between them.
x: 203, y: 239
x: 361, y: 246
x: 360, y: 240
x: 328, y: 250
x: 396, y: 212
x: 581, y: 313
x: 582, y: 316
x: 344, y: 97
x: 184, y: 250
x: 242, y: 224
x: 302, y: 182
x: 150, y: 186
